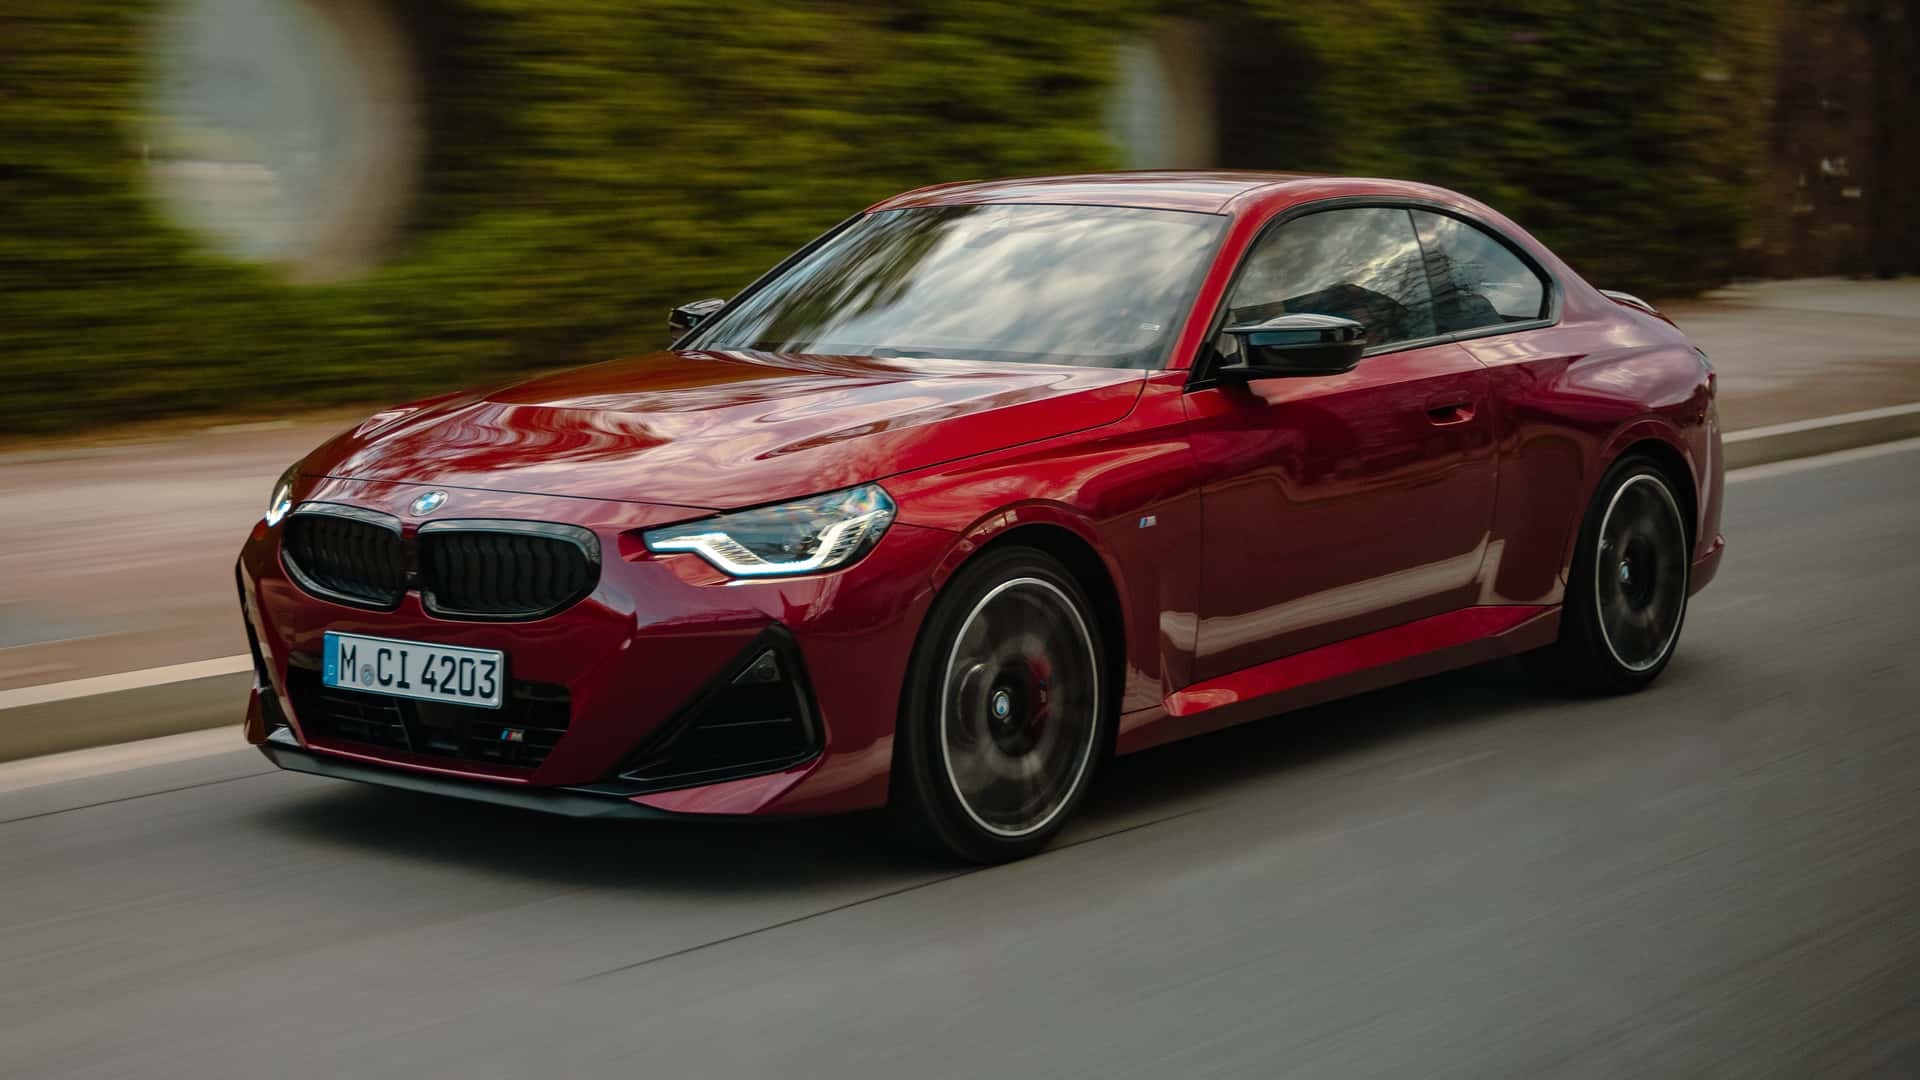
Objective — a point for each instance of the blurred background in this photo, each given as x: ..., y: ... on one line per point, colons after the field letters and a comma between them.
x: 248, y: 206
x: 229, y: 228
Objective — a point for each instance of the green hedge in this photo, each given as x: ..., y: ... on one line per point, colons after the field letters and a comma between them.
x: 593, y: 162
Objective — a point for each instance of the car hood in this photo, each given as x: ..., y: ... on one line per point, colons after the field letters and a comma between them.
x: 724, y: 430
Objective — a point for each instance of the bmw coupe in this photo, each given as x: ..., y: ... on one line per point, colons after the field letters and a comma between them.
x: 985, y: 485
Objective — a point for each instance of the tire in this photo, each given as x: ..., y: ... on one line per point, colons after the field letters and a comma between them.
x: 1627, y: 592
x: 1008, y: 684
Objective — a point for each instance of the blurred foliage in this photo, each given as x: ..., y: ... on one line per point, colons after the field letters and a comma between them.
x: 1627, y: 136
x: 592, y: 163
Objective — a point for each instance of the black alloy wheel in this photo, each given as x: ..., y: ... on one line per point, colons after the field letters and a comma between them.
x: 1006, y: 710
x: 1627, y: 593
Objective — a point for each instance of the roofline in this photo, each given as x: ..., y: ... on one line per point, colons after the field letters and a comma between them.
x: 1204, y: 191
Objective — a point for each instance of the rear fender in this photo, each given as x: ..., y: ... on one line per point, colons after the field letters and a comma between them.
x: 1647, y: 429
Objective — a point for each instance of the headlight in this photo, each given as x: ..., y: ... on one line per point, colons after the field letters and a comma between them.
x: 804, y: 537
x: 281, y: 500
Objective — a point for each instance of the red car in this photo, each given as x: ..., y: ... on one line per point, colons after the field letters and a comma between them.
x: 989, y: 482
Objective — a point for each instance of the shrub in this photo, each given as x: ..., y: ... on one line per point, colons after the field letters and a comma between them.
x: 591, y: 163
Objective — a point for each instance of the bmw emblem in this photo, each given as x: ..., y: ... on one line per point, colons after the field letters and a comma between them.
x: 428, y: 503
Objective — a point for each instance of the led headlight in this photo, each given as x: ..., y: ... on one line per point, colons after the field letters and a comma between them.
x: 805, y: 537
x: 281, y: 500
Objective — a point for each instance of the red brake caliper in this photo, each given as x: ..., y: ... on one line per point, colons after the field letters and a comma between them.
x: 1041, y: 674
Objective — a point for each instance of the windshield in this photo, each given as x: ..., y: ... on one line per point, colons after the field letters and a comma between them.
x: 1091, y: 285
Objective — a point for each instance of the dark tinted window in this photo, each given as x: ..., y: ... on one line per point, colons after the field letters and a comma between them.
x: 1361, y: 264
x: 1088, y: 285
x: 1477, y: 280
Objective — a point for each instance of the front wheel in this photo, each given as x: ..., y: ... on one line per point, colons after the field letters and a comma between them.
x: 1006, y: 710
x: 1627, y: 593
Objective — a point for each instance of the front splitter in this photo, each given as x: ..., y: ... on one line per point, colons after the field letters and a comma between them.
x: 281, y: 749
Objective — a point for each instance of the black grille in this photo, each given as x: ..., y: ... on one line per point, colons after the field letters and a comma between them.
x: 519, y: 734
x: 505, y: 570
x: 470, y: 569
x: 349, y: 555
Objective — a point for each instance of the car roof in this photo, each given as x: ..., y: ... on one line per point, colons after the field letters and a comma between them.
x: 1247, y: 195
x: 1209, y: 192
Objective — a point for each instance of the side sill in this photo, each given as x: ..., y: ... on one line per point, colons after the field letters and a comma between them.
x: 1397, y: 654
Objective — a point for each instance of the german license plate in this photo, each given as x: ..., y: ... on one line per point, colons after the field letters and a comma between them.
x: 414, y: 669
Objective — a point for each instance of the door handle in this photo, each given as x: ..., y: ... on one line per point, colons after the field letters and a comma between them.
x: 1456, y: 412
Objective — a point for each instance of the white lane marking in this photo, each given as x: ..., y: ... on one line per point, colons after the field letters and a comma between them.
x: 47, y: 693
x: 1822, y: 461
x: 102, y: 760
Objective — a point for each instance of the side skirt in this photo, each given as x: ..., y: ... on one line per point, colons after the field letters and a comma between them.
x: 1397, y: 654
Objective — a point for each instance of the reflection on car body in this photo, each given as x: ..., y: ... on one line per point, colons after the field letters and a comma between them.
x: 993, y: 481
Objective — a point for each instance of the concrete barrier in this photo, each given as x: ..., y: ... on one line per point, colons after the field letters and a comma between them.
x: 76, y: 722
x: 1822, y: 435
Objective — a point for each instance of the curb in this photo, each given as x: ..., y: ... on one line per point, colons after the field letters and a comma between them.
x: 114, y: 709
x: 84, y: 721
x: 1822, y: 435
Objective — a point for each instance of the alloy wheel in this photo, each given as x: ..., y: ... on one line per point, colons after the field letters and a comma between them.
x: 1018, y: 707
x: 1640, y: 573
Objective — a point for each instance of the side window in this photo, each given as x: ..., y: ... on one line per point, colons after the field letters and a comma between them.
x: 1362, y: 264
x: 1477, y: 280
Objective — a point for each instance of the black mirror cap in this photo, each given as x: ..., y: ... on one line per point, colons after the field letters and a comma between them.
x: 1293, y: 345
x: 686, y: 317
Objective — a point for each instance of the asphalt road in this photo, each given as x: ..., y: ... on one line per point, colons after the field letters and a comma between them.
x: 1463, y: 877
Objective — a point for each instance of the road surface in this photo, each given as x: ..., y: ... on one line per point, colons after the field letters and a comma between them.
x: 1459, y: 877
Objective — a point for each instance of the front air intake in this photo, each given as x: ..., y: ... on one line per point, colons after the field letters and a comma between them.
x: 757, y: 718
x: 519, y: 735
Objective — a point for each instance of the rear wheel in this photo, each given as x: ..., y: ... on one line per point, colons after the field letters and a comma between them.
x: 1627, y: 593
x: 1006, y: 712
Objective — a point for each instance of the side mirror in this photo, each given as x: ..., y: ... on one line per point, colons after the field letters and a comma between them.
x: 1288, y: 346
x: 687, y: 316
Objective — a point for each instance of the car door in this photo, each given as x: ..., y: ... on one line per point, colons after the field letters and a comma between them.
x: 1338, y: 505
x: 1499, y: 301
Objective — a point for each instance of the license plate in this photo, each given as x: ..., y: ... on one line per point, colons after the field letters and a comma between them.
x: 414, y: 669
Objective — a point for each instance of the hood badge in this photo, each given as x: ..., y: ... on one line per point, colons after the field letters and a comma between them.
x: 428, y: 503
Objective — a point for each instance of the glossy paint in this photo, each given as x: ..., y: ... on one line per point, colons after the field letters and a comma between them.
x: 1308, y: 471
x: 653, y: 633
x: 1426, y: 646
x: 726, y: 430
x: 1252, y: 547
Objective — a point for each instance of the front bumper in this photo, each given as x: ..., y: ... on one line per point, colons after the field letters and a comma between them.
x: 637, y: 659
